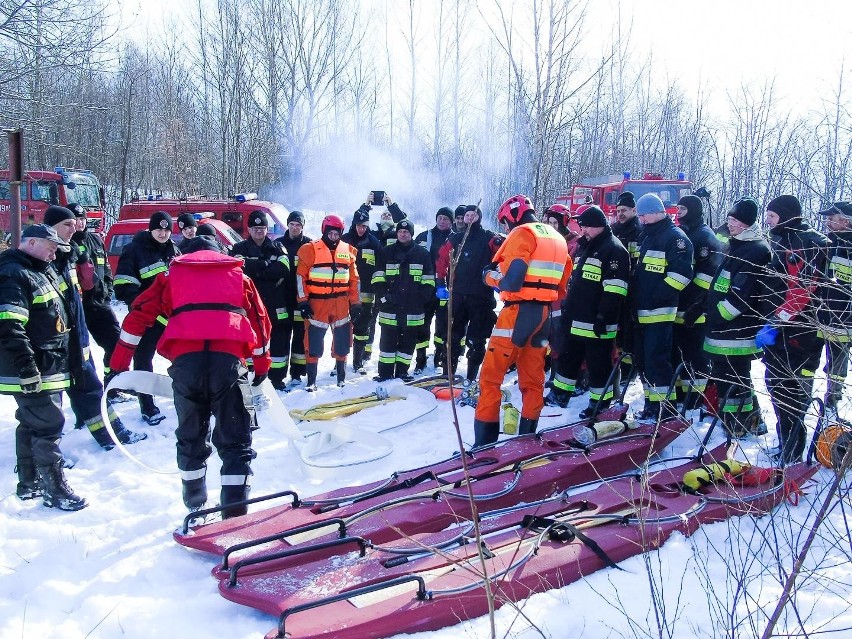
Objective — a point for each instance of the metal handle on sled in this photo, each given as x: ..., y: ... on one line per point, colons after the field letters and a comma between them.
x: 422, y: 595
x: 245, y: 502
x: 362, y: 547
x: 341, y: 531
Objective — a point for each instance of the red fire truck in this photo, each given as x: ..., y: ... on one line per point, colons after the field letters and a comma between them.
x: 234, y: 211
x: 604, y: 191
x: 62, y: 186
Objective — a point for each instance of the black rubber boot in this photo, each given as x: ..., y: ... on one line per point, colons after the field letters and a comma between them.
x: 557, y: 397
x: 474, y: 361
x: 340, y: 369
x: 57, y: 493
x: 312, y: 376
x: 29, y: 484
x: 485, y: 432
x: 420, y: 361
x: 358, y: 357
x: 527, y: 425
x: 195, y: 493
x: 401, y: 372
x: 234, y: 495
x: 589, y: 411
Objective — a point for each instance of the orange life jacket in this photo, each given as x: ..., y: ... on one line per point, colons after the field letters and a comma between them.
x: 546, y: 254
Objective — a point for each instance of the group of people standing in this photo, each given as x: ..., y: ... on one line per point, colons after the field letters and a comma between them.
x: 666, y: 293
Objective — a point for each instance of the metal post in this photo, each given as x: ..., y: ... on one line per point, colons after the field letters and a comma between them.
x: 16, y: 178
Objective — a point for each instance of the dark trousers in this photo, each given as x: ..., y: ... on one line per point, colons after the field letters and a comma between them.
x: 689, y: 349
x: 364, y: 326
x: 143, y: 360
x: 790, y: 366
x: 836, y: 368
x: 473, y: 321
x: 341, y: 340
x: 430, y: 309
x: 103, y: 327
x: 732, y: 375
x: 597, y: 353
x: 39, y: 430
x: 653, y: 355
x: 279, y: 350
x: 297, y: 361
x: 213, y: 384
x: 85, y: 398
x: 396, y: 349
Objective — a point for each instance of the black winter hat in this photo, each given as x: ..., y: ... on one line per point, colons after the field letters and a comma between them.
x: 258, y: 218
x: 446, y: 211
x: 626, y: 199
x: 361, y: 217
x: 77, y: 210
x: 201, y: 243
x: 844, y: 208
x: 160, y: 220
x: 405, y: 224
x: 460, y: 210
x: 206, y: 230
x: 56, y: 214
x: 592, y: 217
x: 296, y: 216
x: 787, y: 207
x: 744, y: 210
x: 694, y: 207
x: 186, y: 219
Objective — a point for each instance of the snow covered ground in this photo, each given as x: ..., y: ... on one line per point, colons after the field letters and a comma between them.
x: 113, y: 569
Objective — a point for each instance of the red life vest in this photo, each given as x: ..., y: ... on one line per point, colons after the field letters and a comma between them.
x: 207, y: 294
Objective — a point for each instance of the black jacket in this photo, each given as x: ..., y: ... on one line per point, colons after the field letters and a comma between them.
x: 707, y: 252
x: 291, y: 247
x: 403, y: 283
x: 598, y: 286
x: 368, y: 248
x: 140, y: 263
x: 432, y: 240
x: 34, y: 325
x: 268, y: 266
x: 799, y: 265
x: 736, y: 299
x: 835, y: 314
x: 630, y: 236
x: 663, y: 270
x: 91, y: 248
x: 477, y: 253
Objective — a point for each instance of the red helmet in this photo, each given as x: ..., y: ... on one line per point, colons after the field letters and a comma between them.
x: 332, y: 221
x: 557, y: 210
x: 514, y: 209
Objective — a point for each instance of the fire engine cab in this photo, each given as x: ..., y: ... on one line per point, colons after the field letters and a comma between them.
x: 604, y: 191
x: 62, y: 186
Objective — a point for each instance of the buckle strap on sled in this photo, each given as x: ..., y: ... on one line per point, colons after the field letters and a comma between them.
x: 566, y: 533
x: 210, y: 306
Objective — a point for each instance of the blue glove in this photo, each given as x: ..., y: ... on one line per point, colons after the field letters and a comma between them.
x: 766, y: 336
x: 442, y: 293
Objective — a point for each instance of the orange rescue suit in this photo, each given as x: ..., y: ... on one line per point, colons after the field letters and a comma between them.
x: 533, y: 269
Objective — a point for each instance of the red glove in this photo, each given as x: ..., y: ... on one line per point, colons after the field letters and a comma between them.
x: 121, y: 357
x: 86, y: 275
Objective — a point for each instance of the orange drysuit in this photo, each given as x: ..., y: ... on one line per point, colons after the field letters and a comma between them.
x: 533, y: 268
x: 328, y: 280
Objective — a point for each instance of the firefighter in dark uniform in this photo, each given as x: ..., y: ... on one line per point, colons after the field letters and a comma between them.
x: 147, y: 255
x: 734, y: 302
x: 628, y: 230
x: 268, y: 266
x: 188, y: 227
x: 690, y: 321
x: 590, y: 312
x: 291, y: 242
x: 97, y: 296
x: 790, y: 340
x: 86, y: 389
x: 835, y: 316
x: 404, y: 283
x: 473, y: 300
x: 216, y: 321
x: 34, y: 343
x: 432, y: 240
x: 531, y: 269
x: 363, y: 319
x: 663, y: 270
